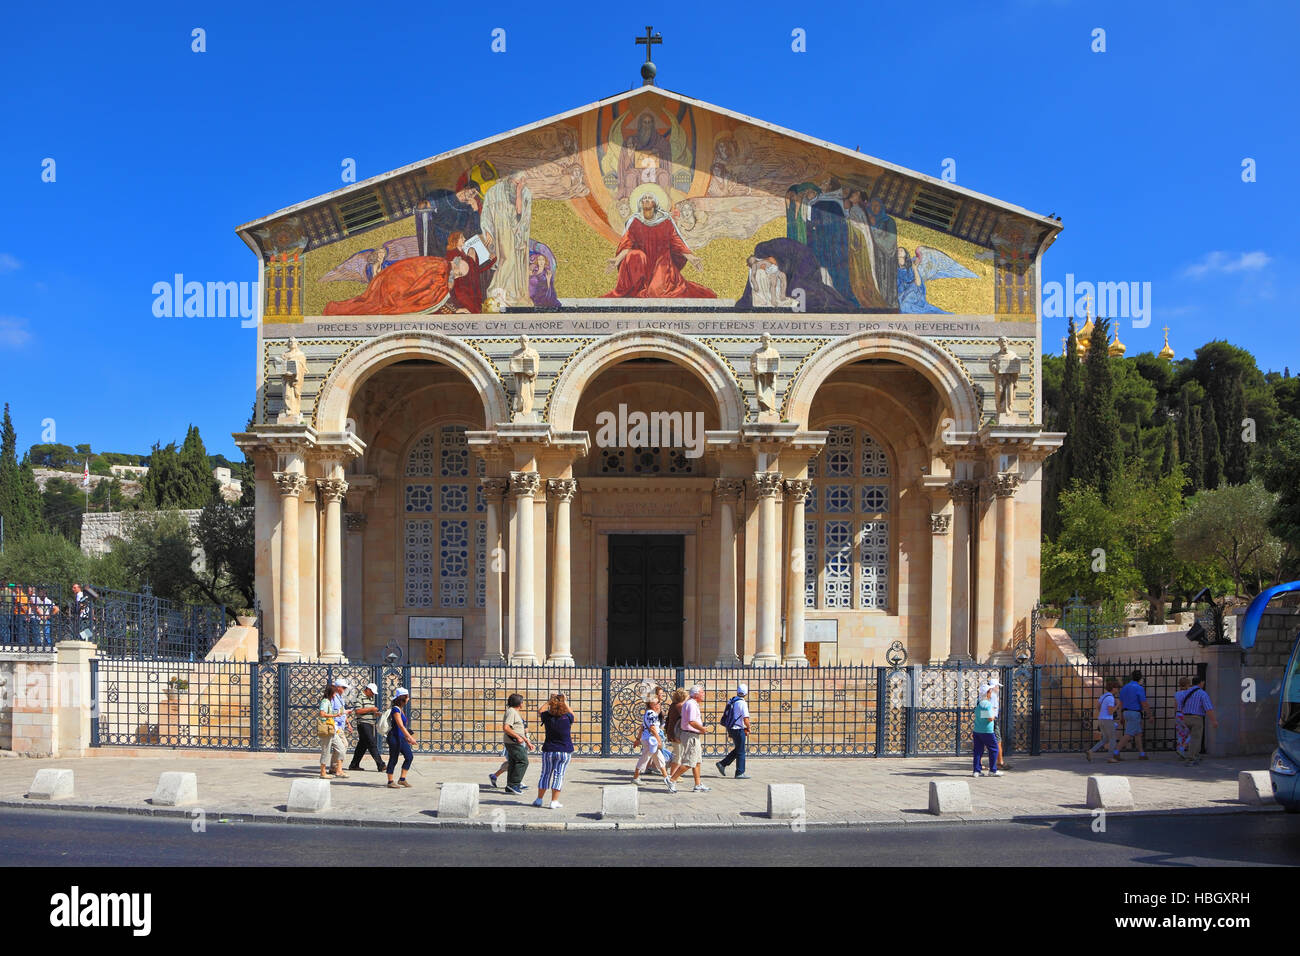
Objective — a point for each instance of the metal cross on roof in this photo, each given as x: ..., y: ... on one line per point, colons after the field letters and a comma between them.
x: 648, y: 68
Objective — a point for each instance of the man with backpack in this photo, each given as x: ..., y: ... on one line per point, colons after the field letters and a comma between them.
x: 735, y: 721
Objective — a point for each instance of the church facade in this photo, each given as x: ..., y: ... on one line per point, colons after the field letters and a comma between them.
x: 649, y: 382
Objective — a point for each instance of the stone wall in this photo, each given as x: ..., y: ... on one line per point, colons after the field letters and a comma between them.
x: 98, y: 529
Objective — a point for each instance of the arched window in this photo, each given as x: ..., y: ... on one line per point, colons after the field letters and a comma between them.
x: 445, y: 534
x: 846, y: 527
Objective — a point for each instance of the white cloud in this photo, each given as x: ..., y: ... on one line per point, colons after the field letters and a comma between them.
x: 13, y: 332
x: 8, y: 263
x: 1221, y: 263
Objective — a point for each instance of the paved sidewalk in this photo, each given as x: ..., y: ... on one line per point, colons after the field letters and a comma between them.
x: 840, y: 792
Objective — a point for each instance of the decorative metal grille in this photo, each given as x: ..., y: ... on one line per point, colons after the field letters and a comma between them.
x: 854, y: 564
x: 831, y: 711
x: 456, y: 556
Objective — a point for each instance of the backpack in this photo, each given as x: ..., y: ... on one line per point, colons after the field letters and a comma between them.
x: 385, y: 722
x: 729, y: 714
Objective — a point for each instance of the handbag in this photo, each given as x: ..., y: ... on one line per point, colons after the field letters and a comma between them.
x: 325, y: 726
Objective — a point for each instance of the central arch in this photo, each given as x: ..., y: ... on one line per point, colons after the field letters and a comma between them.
x: 336, y: 394
x: 679, y: 349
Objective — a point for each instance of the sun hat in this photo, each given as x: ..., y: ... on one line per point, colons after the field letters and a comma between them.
x: 340, y: 682
x: 742, y: 690
x: 372, y: 688
x: 401, y: 692
x: 984, y: 689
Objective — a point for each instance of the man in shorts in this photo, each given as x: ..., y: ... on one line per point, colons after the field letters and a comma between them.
x: 1133, y: 700
x: 690, y: 749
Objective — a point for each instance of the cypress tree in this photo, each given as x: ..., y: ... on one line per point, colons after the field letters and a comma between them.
x: 1236, y: 465
x: 1213, y: 455
x: 20, y: 497
x: 1060, y: 465
x: 1097, y: 451
x: 1170, y: 459
x: 1185, y: 433
x: 200, y: 486
x: 1195, y: 452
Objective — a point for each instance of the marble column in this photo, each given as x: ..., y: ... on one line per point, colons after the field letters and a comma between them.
x: 796, y: 493
x: 766, y: 486
x: 963, y: 493
x: 1004, y: 489
x: 523, y: 485
x: 494, y: 490
x: 940, y: 589
x: 727, y: 491
x: 332, y: 490
x: 291, y: 484
x: 354, y: 588
x: 563, y: 490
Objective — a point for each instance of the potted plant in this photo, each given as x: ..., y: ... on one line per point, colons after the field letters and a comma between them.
x: 176, y: 686
x: 246, y: 617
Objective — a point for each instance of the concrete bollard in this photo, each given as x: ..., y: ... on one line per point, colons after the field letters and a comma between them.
x: 458, y: 801
x: 785, y: 801
x: 618, y: 802
x: 1255, y: 787
x: 1109, y: 793
x: 176, y: 789
x: 309, y: 796
x: 51, y: 784
x: 949, y: 796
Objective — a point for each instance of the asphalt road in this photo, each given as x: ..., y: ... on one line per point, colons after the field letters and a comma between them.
x: 65, y: 838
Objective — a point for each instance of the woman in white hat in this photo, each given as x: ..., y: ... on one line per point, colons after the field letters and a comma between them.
x: 331, y: 729
x: 735, y: 721
x: 400, y: 737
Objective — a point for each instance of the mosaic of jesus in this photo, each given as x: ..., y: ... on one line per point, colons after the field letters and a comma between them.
x: 650, y: 256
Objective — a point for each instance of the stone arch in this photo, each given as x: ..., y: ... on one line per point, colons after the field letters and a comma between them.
x: 679, y: 349
x: 939, y: 368
x: 384, y: 350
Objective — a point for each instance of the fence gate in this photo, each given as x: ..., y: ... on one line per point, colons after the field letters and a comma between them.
x: 845, y: 711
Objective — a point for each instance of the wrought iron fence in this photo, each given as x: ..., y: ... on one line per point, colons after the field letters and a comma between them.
x: 33, y: 617
x: 832, y: 711
x: 1087, y: 625
x: 129, y: 625
x: 1068, y: 702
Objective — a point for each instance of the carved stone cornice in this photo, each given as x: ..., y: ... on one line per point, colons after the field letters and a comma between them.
x: 940, y: 523
x: 355, y: 521
x: 332, y: 489
x: 766, y: 484
x: 524, y: 484
x: 495, y: 488
x: 731, y: 488
x: 1004, y: 486
x: 562, y: 489
x: 798, y: 489
x: 290, y: 483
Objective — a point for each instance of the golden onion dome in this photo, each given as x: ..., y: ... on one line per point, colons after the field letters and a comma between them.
x: 1166, y: 353
x: 1117, y: 348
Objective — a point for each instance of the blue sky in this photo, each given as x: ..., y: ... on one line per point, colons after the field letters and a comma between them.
x: 161, y: 152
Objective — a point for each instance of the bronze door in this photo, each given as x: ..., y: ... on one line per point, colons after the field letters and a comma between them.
x: 645, y: 599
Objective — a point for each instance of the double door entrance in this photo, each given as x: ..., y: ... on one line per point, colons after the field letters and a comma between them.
x: 646, y: 574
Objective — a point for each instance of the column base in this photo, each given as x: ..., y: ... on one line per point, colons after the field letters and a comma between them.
x: 332, y: 659
x: 560, y: 660
x: 520, y: 660
x: 795, y: 660
x: 288, y: 657
x: 727, y: 662
x: 491, y: 662
x: 765, y: 660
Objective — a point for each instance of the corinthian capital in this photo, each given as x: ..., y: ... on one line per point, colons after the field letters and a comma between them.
x: 290, y: 483
x: 524, y: 484
x: 1004, y: 486
x: 495, y: 488
x: 332, y: 489
x: 766, y: 484
x: 728, y: 487
x: 562, y: 489
x: 798, y: 489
